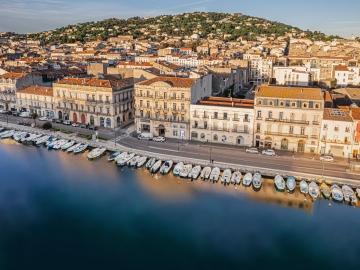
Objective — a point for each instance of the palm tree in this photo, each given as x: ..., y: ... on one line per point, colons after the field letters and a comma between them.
x: 34, y: 116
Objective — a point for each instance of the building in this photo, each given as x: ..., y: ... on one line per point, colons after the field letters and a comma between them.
x: 163, y: 104
x: 336, y: 133
x: 223, y: 120
x: 346, y: 75
x: 10, y: 83
x: 288, y: 118
x: 298, y: 76
x: 105, y: 103
x: 261, y: 71
x: 36, y: 99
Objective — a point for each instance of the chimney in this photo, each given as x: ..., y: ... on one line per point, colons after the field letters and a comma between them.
x: 232, y: 104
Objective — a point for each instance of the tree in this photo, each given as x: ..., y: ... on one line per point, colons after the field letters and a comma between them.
x: 34, y: 116
x: 333, y: 83
x: 47, y: 125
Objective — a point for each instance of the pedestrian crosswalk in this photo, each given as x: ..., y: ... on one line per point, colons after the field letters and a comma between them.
x: 122, y: 135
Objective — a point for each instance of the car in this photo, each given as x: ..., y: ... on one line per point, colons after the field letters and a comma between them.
x: 268, y: 152
x: 67, y: 122
x: 92, y: 127
x: 8, y: 112
x: 252, y: 151
x: 82, y: 126
x: 58, y: 121
x: 327, y: 158
x: 2, y: 111
x: 159, y: 139
x: 14, y: 113
x: 43, y: 119
x: 75, y: 124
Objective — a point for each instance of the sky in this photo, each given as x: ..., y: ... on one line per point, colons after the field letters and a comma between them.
x: 328, y: 16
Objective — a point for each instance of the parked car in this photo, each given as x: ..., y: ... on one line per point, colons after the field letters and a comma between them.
x: 67, y: 122
x: 2, y: 111
x: 43, y: 119
x: 24, y: 114
x: 82, y: 126
x: 268, y: 152
x: 327, y: 158
x: 159, y: 139
x: 252, y: 151
x: 92, y: 127
x: 15, y: 113
x: 145, y: 136
x: 58, y: 121
x: 75, y: 124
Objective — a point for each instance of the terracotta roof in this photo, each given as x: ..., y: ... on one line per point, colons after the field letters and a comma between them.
x: 13, y: 75
x: 172, y: 81
x: 341, y: 68
x: 289, y: 92
x: 98, y: 82
x: 227, y: 102
x: 37, y: 90
x: 355, y: 113
x: 337, y: 115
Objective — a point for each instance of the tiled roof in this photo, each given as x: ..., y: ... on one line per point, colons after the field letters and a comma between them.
x: 98, y: 82
x: 341, y: 68
x: 172, y: 81
x: 289, y: 92
x: 13, y: 75
x: 330, y: 114
x: 37, y: 90
x: 355, y: 113
x: 227, y: 102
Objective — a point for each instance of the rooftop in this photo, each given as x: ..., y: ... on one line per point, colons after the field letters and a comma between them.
x: 227, y: 102
x: 98, y: 82
x: 172, y: 81
x: 13, y: 75
x: 37, y: 90
x: 289, y: 92
x: 337, y: 115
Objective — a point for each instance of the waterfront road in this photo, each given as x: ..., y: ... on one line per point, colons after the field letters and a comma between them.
x: 226, y: 155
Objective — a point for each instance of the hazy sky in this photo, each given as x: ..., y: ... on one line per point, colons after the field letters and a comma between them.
x: 328, y: 16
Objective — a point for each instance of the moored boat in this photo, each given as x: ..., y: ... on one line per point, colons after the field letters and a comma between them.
x: 72, y: 148
x: 247, y: 179
x: 166, y: 167
x: 132, y: 162
x: 156, y: 166
x: 215, y: 173
x: 290, y: 184
x: 98, y: 152
x: 194, y: 173
x: 150, y: 163
x: 41, y: 140
x: 358, y: 193
x: 349, y: 195
x: 185, y: 170
x: 113, y: 156
x: 236, y: 178
x: 50, y: 141
x: 325, y: 190
x: 314, y: 190
x: 7, y: 134
x: 205, y: 173
x: 304, y: 187
x: 279, y: 182
x: 336, y: 193
x: 67, y: 145
x: 123, y: 154
x: 81, y: 148
x: 58, y: 144
x: 124, y: 159
x: 178, y: 168
x: 141, y: 161
x: 257, y: 180
x: 226, y: 176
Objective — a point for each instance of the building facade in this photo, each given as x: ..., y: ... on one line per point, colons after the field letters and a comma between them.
x: 288, y: 118
x: 105, y: 103
x: 163, y: 104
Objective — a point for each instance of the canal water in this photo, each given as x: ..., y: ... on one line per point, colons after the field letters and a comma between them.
x: 61, y: 211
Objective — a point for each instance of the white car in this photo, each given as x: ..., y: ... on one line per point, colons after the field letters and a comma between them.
x: 268, y: 152
x: 75, y: 124
x: 159, y: 139
x: 252, y: 151
x: 43, y: 119
x: 327, y: 158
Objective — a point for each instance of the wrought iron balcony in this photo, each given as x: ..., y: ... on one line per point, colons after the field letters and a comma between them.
x: 286, y: 134
x: 240, y: 131
x: 287, y: 121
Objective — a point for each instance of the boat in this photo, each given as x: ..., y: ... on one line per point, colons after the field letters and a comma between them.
x: 113, y: 156
x: 17, y: 137
x: 304, y: 187
x: 97, y: 152
x: 314, y: 190
x: 132, y: 162
x: 349, y: 195
x: 34, y: 138
x: 205, y: 173
x: 81, y: 148
x: 50, y: 141
x: 58, y: 144
x: 185, y: 170
x: 257, y: 180
x: 51, y: 144
x: 236, y: 178
x: 279, y: 182
x: 166, y: 167
x: 325, y: 190
x: 358, y: 192
x: 195, y: 171
x: 123, y: 154
x: 67, y: 145
x: 156, y: 166
x: 42, y: 140
x: 72, y: 148
x: 290, y: 184
x: 141, y: 161
x: 27, y: 136
x: 150, y: 163
x: 215, y: 173
x: 247, y: 179
x: 125, y: 159
x: 178, y: 168
x: 336, y: 193
x: 8, y: 134
x: 226, y: 176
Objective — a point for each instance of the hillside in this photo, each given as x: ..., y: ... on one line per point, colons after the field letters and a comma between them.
x: 208, y: 25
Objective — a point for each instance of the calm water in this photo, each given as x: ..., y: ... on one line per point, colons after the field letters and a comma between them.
x: 61, y: 211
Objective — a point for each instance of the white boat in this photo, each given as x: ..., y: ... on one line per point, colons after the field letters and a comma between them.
x: 132, y: 162
x: 42, y: 140
x: 8, y: 134
x: 215, y: 174
x: 39, y: 138
x: 113, y: 156
x: 27, y: 136
x: 194, y: 173
x: 72, y: 148
x: 178, y: 167
x: 123, y: 154
x: 314, y: 190
x: 67, y: 145
x: 349, y: 195
x: 304, y: 187
x: 50, y: 141
x: 97, y: 152
x: 226, y: 176
x: 81, y: 148
x: 205, y: 173
x: 247, y: 179
x: 257, y: 180
x: 279, y: 182
x: 141, y: 161
x: 185, y: 170
x: 34, y: 138
x: 150, y: 163
x: 19, y: 136
x: 125, y: 159
x: 358, y: 192
x: 290, y: 184
x: 59, y: 144
x: 236, y: 178
x: 156, y: 166
x: 166, y: 167
x: 336, y: 193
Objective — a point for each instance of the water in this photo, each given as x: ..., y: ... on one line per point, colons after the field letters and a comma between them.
x: 61, y: 211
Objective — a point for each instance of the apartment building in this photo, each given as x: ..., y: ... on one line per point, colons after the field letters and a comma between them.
x: 298, y: 76
x: 36, y: 99
x: 288, y: 118
x: 222, y: 120
x: 261, y: 71
x: 346, y: 75
x: 105, y: 103
x: 163, y: 104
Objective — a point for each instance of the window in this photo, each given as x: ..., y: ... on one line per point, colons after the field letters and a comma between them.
x: 100, y: 97
x: 259, y: 114
x: 165, y: 105
x: 156, y: 94
x: 88, y: 108
x: 305, y: 105
x: 174, y: 95
x: 141, y: 103
x: 174, y: 117
x: 258, y: 126
x: 108, y: 110
x: 293, y: 104
x: 317, y: 106
x: 225, y: 115
x: 291, y: 130
x: 94, y: 109
x: 148, y: 104
x: 182, y: 96
x: 336, y: 128
x: 215, y: 115
x: 281, y: 114
x: 302, y: 131
x: 71, y: 106
x: 347, y: 129
x: 93, y: 97
x: 259, y: 102
x: 175, y: 133
x: 270, y: 115
x: 165, y: 95
x: 174, y: 106
x: 165, y: 116
x: 156, y: 105
x: 100, y: 109
x: 148, y: 93
x: 205, y: 125
x: 325, y: 127
x: 107, y: 98
x: 271, y: 103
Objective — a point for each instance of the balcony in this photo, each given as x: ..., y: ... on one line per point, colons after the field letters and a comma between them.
x: 220, y: 129
x: 197, y: 127
x: 286, y: 134
x: 236, y: 119
x: 301, y: 122
x: 246, y: 120
x: 240, y: 131
x: 259, y: 118
x: 205, y: 116
x: 315, y: 122
x: 314, y: 136
x: 195, y: 116
x: 336, y: 141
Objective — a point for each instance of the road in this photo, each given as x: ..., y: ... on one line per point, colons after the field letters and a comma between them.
x: 228, y: 155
